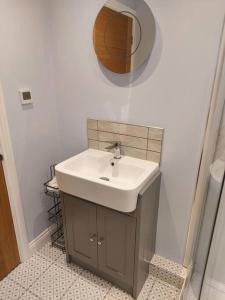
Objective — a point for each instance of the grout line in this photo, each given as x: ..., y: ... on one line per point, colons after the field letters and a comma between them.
x: 151, y: 289
x: 129, y: 124
x: 53, y: 262
x: 124, y: 134
x: 98, y: 135
x: 128, y: 135
x: 108, y: 142
x: 42, y: 272
x: 64, y: 294
x: 175, y: 290
x: 14, y: 281
x: 28, y: 288
x: 130, y: 147
x: 62, y: 268
x: 107, y: 293
x: 147, y: 145
x: 31, y: 294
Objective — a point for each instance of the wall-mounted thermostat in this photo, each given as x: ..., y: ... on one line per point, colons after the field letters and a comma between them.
x: 25, y: 95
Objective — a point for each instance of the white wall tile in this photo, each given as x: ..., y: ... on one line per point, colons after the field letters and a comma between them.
x: 126, y: 129
x: 156, y: 134
x: 153, y: 156
x: 92, y: 124
x: 155, y: 146
x: 92, y: 134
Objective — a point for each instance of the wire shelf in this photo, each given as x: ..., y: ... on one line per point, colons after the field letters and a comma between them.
x: 55, y: 212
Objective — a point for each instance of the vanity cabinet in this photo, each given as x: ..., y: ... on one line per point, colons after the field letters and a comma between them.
x: 117, y: 246
x: 100, y: 237
x: 81, y: 229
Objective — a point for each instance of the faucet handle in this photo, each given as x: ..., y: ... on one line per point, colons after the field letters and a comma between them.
x: 117, y: 144
x: 113, y: 145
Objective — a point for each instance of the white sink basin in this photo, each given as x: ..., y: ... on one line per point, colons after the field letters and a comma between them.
x: 91, y: 176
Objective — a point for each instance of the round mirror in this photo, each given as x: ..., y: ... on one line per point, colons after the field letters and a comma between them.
x: 124, y: 34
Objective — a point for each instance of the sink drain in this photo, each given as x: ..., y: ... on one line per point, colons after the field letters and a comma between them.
x: 104, y: 178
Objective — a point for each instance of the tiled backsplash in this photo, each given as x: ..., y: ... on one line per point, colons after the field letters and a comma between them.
x: 137, y: 141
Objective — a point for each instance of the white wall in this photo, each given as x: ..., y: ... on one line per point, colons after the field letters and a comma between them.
x: 147, y: 23
x: 25, y: 61
x: 172, y: 91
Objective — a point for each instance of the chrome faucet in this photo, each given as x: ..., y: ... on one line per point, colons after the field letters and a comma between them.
x: 116, y: 146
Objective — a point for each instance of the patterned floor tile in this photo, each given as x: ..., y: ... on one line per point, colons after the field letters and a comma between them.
x: 29, y: 296
x: 118, y: 294
x: 94, y: 280
x: 28, y: 272
x: 168, y: 271
x: 10, y: 290
x: 83, y: 290
x: 47, y: 276
x: 169, y: 265
x: 53, y: 284
x: 161, y: 291
x: 167, y: 276
x: 71, y: 267
x: 109, y: 297
x: 146, y: 288
x: 50, y: 252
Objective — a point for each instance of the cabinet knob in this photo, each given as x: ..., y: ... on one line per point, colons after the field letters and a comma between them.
x: 100, y: 242
x: 92, y: 238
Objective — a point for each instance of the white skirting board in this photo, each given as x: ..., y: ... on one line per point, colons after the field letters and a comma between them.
x: 41, y: 240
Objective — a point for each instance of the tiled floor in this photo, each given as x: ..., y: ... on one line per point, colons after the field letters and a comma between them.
x: 168, y: 271
x: 46, y: 276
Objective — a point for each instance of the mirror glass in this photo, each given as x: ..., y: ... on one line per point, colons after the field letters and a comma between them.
x: 124, y: 34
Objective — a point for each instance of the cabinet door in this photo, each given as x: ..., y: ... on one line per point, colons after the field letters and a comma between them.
x: 80, y: 218
x: 116, y: 244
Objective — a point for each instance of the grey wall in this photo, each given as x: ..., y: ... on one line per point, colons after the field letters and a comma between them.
x: 50, y: 50
x: 25, y: 61
x: 173, y: 91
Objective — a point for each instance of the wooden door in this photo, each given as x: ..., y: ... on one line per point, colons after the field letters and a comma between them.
x: 9, y: 255
x: 81, y: 229
x: 116, y: 244
x: 113, y: 40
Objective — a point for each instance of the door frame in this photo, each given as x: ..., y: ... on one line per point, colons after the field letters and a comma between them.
x: 12, y: 183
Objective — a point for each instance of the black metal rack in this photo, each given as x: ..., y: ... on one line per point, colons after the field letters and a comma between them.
x: 55, y: 212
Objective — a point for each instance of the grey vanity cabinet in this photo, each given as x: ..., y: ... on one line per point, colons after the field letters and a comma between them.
x: 81, y: 229
x: 100, y: 237
x: 117, y: 246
